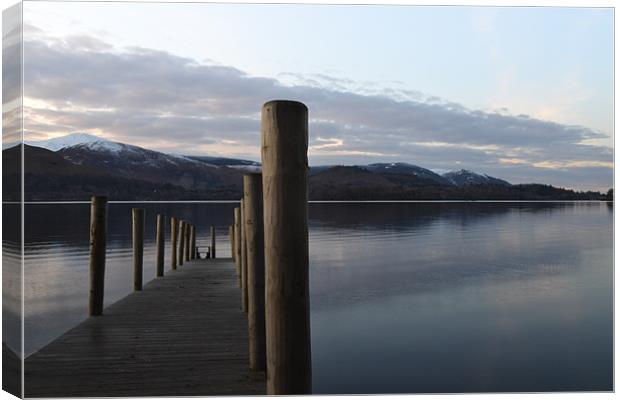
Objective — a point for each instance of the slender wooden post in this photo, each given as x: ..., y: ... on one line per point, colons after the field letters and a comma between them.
x: 284, y: 152
x: 182, y: 241
x: 159, y: 241
x: 212, y: 242
x: 231, y: 237
x: 98, y: 228
x: 174, y: 223
x: 137, y: 219
x: 188, y: 228
x: 253, y: 204
x: 192, y: 241
x: 244, y: 263
x: 195, y: 235
x: 238, y: 244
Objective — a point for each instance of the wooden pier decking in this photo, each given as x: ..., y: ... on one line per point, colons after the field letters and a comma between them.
x: 183, y: 334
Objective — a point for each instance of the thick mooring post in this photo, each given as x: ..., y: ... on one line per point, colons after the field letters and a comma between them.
x: 244, y: 263
x: 188, y: 228
x: 231, y: 238
x: 137, y: 234
x: 254, y: 238
x: 192, y: 241
x: 182, y: 241
x: 98, y: 228
x: 284, y: 151
x: 238, y: 244
x: 159, y: 241
x: 212, y: 242
x: 174, y: 223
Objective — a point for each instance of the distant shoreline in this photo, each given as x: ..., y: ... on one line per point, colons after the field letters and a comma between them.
x: 309, y: 201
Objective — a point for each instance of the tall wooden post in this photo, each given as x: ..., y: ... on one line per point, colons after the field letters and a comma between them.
x: 231, y: 238
x: 188, y: 228
x: 159, y: 241
x: 254, y: 238
x: 192, y: 241
x: 238, y: 244
x: 174, y: 232
x: 182, y: 241
x: 137, y: 219
x: 244, y: 263
x: 98, y: 228
x: 284, y: 151
x: 212, y: 241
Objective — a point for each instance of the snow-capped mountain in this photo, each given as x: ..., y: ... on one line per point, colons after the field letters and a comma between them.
x: 73, y: 139
x: 464, y: 177
x: 135, y: 162
x: 199, y: 173
x: 98, y: 144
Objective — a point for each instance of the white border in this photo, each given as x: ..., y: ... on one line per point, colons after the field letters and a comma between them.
x: 541, y: 3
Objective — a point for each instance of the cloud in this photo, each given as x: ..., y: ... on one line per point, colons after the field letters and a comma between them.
x: 11, y: 77
x: 160, y: 100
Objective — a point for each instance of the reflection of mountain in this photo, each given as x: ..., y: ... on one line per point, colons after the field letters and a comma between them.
x: 409, y: 216
x: 418, y: 248
x: 74, y: 167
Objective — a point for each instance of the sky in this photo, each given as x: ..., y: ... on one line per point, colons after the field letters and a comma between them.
x: 524, y: 94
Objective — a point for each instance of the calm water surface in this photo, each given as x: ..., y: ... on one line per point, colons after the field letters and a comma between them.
x: 405, y: 297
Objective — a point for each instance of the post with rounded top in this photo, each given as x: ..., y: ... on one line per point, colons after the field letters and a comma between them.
x: 192, y: 241
x: 174, y: 223
x: 244, y: 262
x: 212, y: 241
x: 284, y: 152
x: 238, y: 244
x: 137, y: 223
x: 159, y: 241
x: 182, y: 241
x: 188, y: 229
x: 98, y: 228
x: 253, y: 204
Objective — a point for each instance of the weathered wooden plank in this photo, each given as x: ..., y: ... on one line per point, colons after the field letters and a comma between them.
x: 184, y: 334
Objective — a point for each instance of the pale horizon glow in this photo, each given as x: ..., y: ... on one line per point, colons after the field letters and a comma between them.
x: 524, y: 94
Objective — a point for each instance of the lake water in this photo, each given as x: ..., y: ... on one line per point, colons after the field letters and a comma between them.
x: 405, y: 297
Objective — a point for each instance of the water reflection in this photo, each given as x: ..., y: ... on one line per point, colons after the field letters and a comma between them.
x: 405, y: 297
x: 462, y: 298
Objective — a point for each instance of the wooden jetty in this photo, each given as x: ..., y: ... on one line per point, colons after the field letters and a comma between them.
x: 188, y: 332
x: 183, y: 334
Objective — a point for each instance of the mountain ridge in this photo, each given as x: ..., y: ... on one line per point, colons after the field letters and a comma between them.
x: 129, y: 172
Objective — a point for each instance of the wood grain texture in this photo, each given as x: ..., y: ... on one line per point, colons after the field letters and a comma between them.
x: 98, y: 229
x: 284, y: 156
x: 183, y: 334
x: 160, y: 240
x: 183, y: 226
x: 192, y: 240
x: 254, y: 239
x: 137, y: 236
x: 237, y: 215
x: 212, y: 252
x: 174, y: 233
x: 244, y: 261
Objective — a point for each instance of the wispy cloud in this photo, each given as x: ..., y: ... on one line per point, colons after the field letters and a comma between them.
x: 159, y: 100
